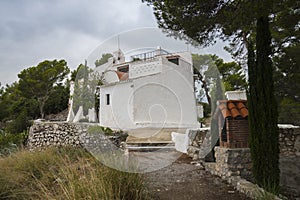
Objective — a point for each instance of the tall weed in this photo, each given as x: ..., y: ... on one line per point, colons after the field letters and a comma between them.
x: 65, y: 173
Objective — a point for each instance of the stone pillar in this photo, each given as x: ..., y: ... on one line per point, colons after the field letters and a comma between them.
x: 233, y: 162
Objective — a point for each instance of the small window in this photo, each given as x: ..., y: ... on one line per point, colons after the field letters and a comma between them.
x: 107, y: 99
x: 174, y: 60
x: 124, y: 69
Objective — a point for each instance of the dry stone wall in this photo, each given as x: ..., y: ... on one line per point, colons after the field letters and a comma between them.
x: 44, y: 134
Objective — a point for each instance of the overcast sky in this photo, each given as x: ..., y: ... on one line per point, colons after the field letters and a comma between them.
x: 32, y: 31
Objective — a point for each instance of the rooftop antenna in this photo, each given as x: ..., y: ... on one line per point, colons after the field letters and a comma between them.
x: 118, y: 42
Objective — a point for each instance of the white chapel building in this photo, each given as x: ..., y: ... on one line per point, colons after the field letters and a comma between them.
x: 154, y: 89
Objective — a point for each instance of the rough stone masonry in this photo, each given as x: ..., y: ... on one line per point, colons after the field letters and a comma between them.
x: 237, y: 162
x: 44, y: 134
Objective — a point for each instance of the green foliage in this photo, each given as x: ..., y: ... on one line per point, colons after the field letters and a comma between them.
x: 18, y: 125
x: 21, y: 101
x: 85, y: 87
x: 38, y: 81
x: 206, y: 109
x: 1, y: 88
x: 286, y: 37
x: 58, y: 99
x: 100, y: 129
x: 289, y: 111
x: 10, y: 143
x: 9, y: 101
x: 16, y: 110
x: 267, y: 195
x: 232, y: 74
x: 287, y: 84
x: 104, y: 58
x: 285, y: 26
x: 74, y: 74
x: 83, y: 94
x: 66, y: 173
x: 201, y: 65
x: 214, y: 74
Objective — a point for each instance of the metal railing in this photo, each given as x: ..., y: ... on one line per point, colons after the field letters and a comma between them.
x: 150, y: 54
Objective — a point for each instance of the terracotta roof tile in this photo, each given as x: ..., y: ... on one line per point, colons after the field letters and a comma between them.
x: 224, y: 110
x: 233, y: 108
x: 243, y: 109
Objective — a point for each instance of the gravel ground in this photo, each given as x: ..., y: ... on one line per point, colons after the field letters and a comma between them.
x: 185, y: 181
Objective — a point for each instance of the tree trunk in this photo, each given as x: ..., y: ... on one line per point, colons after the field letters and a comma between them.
x: 204, y: 85
x: 42, y: 102
x: 263, y: 110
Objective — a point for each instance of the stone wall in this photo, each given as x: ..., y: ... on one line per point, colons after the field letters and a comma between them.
x: 44, y: 134
x: 237, y: 162
x: 289, y: 159
x: 233, y: 162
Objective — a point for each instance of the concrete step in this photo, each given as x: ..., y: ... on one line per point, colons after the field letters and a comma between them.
x: 151, y: 135
x: 149, y: 148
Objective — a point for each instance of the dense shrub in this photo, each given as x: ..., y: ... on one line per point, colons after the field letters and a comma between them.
x: 19, y: 124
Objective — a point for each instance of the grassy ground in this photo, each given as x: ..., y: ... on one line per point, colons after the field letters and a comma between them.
x: 66, y: 173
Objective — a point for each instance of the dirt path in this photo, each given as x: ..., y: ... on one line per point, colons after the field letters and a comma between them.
x: 184, y: 181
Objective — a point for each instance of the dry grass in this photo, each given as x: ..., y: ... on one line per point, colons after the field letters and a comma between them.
x: 66, y: 173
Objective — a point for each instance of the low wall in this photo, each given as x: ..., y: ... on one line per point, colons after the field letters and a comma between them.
x: 44, y: 134
x: 237, y: 161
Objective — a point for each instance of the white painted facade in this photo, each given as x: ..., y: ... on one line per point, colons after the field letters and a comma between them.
x: 155, y: 93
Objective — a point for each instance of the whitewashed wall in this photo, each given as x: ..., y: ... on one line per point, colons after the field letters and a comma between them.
x: 159, y: 94
x: 166, y: 99
x: 119, y: 113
